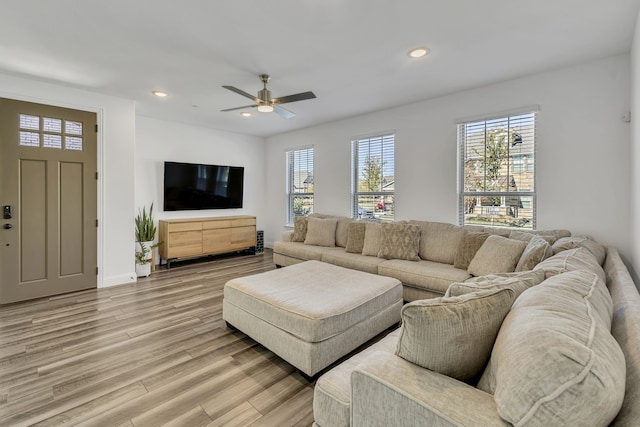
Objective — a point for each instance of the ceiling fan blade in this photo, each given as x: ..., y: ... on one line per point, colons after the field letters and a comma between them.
x: 293, y: 98
x: 282, y: 112
x: 241, y: 108
x: 241, y: 92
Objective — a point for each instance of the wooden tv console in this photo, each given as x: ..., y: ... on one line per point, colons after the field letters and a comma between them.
x: 193, y: 237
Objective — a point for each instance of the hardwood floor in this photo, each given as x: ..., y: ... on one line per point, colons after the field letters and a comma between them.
x: 155, y: 353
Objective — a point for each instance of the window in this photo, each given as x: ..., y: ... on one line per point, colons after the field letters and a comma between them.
x: 496, y: 170
x: 373, y: 183
x: 34, y: 129
x: 299, y: 182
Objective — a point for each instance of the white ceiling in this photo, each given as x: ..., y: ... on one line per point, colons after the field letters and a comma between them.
x: 350, y: 53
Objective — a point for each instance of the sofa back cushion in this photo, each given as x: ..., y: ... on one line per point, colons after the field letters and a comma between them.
x: 496, y: 255
x: 571, y: 260
x: 555, y: 361
x: 439, y: 241
x: 453, y: 336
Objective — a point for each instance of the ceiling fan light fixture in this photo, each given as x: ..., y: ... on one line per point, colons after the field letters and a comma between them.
x: 246, y: 114
x: 160, y: 94
x: 418, y: 52
x: 265, y: 108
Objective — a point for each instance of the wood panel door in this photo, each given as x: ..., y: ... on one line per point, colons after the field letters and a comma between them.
x: 48, y: 193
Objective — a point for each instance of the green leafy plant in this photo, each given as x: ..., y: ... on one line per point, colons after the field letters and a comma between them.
x: 142, y: 254
x: 145, y: 229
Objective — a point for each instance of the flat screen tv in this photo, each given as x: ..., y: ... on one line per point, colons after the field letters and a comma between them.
x: 190, y: 186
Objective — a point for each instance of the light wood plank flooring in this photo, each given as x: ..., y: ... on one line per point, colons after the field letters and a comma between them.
x: 155, y: 353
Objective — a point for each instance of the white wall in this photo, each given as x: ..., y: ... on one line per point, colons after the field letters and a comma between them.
x: 158, y: 140
x: 583, y: 148
x: 116, y: 118
x: 635, y: 153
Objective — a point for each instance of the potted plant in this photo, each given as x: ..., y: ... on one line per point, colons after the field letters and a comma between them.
x: 143, y: 262
x: 145, y: 233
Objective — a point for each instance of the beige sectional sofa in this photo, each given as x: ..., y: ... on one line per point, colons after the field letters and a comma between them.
x: 567, y: 353
x: 556, y: 342
x: 439, y: 247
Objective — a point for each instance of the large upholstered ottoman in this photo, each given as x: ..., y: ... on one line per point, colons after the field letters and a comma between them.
x: 313, y: 313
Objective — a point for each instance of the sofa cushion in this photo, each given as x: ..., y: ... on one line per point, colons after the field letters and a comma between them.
x: 299, y: 228
x: 537, y: 250
x: 428, y: 275
x: 563, y: 368
x: 571, y: 260
x: 342, y: 231
x: 355, y: 237
x: 332, y: 393
x: 299, y: 250
x: 566, y: 243
x: 496, y: 255
x: 453, y: 336
x: 321, y: 232
x: 372, y: 238
x: 399, y: 241
x: 519, y: 282
x: 439, y: 241
x: 523, y: 235
x: 345, y: 259
x: 468, y: 247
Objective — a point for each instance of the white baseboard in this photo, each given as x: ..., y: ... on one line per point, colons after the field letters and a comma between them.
x: 118, y: 280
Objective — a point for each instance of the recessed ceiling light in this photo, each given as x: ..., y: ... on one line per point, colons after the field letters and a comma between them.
x: 159, y: 93
x: 418, y: 52
x: 245, y: 114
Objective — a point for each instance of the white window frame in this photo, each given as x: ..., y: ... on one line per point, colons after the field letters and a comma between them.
x: 296, y: 158
x: 525, y: 166
x: 386, y: 142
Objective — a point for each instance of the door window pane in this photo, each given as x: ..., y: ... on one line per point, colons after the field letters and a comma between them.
x: 52, y: 125
x: 72, y: 128
x: 29, y: 139
x: 52, y: 141
x: 29, y: 122
x: 73, y: 143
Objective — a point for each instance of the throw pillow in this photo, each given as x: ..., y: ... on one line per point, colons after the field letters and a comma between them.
x: 496, y: 255
x: 342, y: 231
x: 554, y: 361
x: 400, y: 241
x: 519, y: 282
x: 355, y: 240
x: 566, y: 243
x: 372, y: 237
x: 468, y: 247
x: 299, y: 228
x: 537, y: 250
x: 321, y: 232
x: 453, y: 336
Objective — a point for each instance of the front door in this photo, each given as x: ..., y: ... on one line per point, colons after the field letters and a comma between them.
x: 48, y: 196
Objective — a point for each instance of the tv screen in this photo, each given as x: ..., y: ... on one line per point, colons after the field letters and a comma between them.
x: 190, y: 186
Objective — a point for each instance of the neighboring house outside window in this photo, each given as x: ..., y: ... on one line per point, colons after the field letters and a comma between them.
x: 373, y: 182
x: 497, y: 171
x: 299, y: 182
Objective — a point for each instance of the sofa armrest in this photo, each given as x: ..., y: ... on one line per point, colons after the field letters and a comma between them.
x: 388, y: 390
x: 287, y: 235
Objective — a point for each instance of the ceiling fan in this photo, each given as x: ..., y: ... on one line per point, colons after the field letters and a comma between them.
x: 265, y: 103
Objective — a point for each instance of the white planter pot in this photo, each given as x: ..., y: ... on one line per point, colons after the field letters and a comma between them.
x: 143, y: 270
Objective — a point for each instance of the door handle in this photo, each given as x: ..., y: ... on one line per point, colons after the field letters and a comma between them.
x: 7, y: 226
